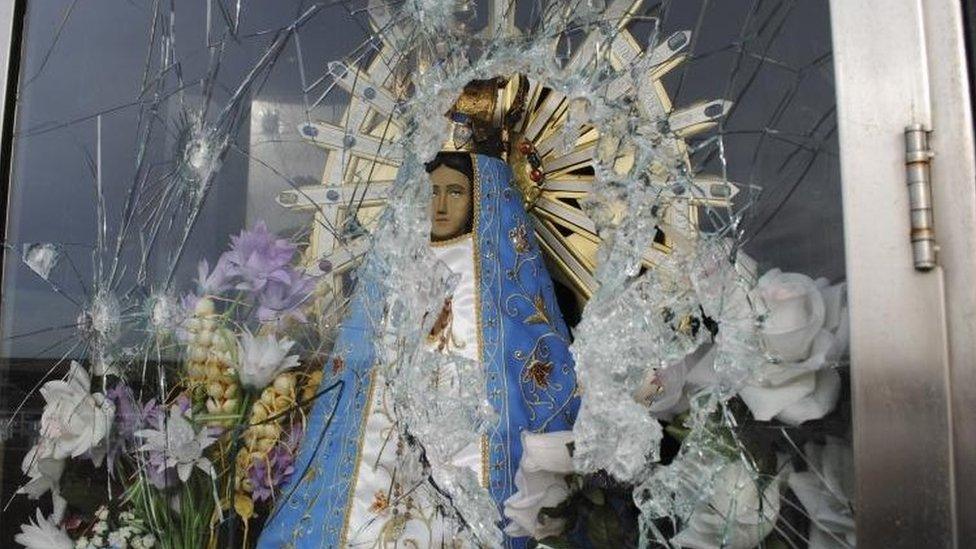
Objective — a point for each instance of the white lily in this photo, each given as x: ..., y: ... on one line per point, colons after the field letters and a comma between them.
x: 45, y: 475
x: 260, y: 359
x: 43, y: 534
x: 180, y: 445
x: 74, y: 419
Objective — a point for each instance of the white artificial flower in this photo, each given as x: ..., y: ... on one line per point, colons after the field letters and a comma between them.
x: 180, y: 445
x: 824, y: 490
x: 45, y: 474
x: 117, y: 538
x: 43, y: 534
x: 794, y: 392
x: 736, y: 516
x: 541, y: 482
x: 260, y: 359
x: 664, y: 390
x: 795, y: 312
x: 74, y: 419
x: 806, y: 328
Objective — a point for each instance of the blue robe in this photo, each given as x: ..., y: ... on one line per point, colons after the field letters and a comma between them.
x: 524, y: 349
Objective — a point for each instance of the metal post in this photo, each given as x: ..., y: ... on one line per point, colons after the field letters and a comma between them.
x: 902, y: 428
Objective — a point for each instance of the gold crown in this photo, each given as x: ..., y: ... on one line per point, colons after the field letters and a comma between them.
x: 476, y: 120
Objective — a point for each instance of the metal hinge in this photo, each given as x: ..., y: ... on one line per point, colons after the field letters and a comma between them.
x: 918, y: 159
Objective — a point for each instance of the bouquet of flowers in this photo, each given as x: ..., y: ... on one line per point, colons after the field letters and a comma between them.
x: 198, y: 445
x: 727, y: 473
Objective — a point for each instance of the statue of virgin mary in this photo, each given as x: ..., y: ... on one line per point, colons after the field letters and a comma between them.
x: 346, y: 490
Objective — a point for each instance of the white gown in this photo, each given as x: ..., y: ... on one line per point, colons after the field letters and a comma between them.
x: 381, y: 513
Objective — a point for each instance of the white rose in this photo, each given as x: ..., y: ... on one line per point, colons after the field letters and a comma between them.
x: 824, y: 490
x: 806, y: 328
x: 795, y: 312
x: 794, y: 392
x: 737, y: 516
x: 74, y: 419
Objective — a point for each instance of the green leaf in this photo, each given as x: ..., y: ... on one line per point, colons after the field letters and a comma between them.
x: 595, y: 495
x: 677, y: 432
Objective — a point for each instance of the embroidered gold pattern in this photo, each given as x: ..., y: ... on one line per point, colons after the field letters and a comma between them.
x: 539, y: 316
x: 442, y: 335
x: 519, y: 238
x: 380, y: 502
x: 476, y: 222
x: 538, y: 372
x: 350, y: 495
x: 338, y: 365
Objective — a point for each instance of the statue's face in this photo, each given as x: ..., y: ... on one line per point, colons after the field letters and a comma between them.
x: 450, y: 205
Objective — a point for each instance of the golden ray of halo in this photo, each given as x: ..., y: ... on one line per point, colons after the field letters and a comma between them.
x: 361, y: 163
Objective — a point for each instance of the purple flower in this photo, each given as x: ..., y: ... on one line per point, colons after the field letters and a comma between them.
x: 260, y: 479
x: 128, y: 414
x: 257, y: 257
x: 184, y: 403
x: 128, y: 420
x: 154, y: 416
x: 131, y: 416
x: 216, y: 281
x: 156, y: 471
x: 189, y: 304
x: 281, y: 300
x: 271, y: 472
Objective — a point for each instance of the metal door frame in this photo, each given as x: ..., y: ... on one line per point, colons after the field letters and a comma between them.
x: 902, y: 62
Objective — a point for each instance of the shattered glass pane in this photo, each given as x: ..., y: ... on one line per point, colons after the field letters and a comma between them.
x: 225, y: 323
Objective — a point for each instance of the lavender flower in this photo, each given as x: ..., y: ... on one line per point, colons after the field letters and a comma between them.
x: 129, y: 418
x: 280, y: 301
x: 158, y: 474
x: 257, y: 257
x: 157, y: 471
x: 154, y: 415
x: 128, y: 415
x: 216, y: 281
x: 271, y: 472
x: 179, y: 443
